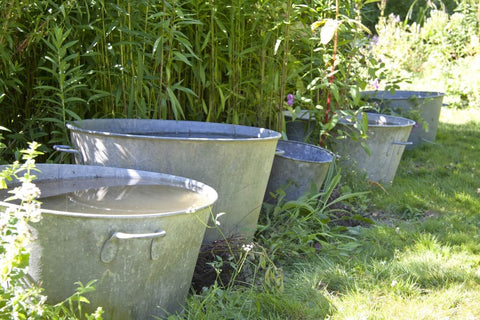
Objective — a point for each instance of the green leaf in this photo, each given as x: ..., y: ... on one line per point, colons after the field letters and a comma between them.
x: 175, y: 104
x: 156, y: 43
x: 54, y: 120
x: 178, y: 87
x: 328, y: 31
x: 74, y: 99
x: 73, y: 114
x: 181, y: 57
x: 366, y: 148
x: 356, y: 97
x: 335, y: 92
x: 100, y: 95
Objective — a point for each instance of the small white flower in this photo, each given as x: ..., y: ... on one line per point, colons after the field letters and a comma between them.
x: 247, y: 247
x: 27, y: 191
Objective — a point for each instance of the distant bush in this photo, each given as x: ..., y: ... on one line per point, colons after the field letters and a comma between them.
x: 437, y: 55
x: 408, y: 11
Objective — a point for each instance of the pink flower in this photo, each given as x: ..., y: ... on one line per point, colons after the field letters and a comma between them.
x: 290, y: 98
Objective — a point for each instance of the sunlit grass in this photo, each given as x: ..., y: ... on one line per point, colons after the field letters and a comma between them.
x: 423, y: 280
x: 420, y: 261
x: 460, y: 116
x: 440, y: 177
x: 456, y: 302
x: 424, y: 262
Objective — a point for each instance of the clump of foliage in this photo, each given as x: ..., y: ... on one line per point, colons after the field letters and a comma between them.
x: 194, y: 60
x: 408, y: 11
x: 338, y: 67
x: 445, y: 47
x: 317, y: 223
x: 19, y: 297
x: 18, y: 300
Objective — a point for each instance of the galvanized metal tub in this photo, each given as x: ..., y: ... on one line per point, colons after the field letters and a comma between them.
x: 296, y: 166
x: 422, y: 106
x: 386, y: 140
x: 235, y: 160
x: 143, y: 262
x: 300, y: 126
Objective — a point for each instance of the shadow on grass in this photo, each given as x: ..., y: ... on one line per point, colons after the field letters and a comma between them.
x: 436, y: 187
x: 428, y: 220
x: 424, y: 246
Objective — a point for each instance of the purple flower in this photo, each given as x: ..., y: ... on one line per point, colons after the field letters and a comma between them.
x: 374, y: 83
x: 290, y: 99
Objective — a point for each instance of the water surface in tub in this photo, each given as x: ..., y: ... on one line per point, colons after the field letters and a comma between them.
x: 121, y: 199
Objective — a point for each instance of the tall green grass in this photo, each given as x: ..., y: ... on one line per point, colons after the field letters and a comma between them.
x: 420, y: 259
x: 182, y: 59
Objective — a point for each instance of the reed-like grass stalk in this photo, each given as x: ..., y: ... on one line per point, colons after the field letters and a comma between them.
x: 176, y: 59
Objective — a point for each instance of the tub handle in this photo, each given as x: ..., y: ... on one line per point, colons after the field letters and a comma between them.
x: 401, y: 143
x: 65, y: 148
x: 279, y: 152
x: 126, y: 236
x: 110, y: 247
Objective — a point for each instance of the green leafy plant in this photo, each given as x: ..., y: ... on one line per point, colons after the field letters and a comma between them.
x: 445, y: 46
x: 19, y: 297
x: 232, y: 261
x: 15, y: 236
x: 195, y: 60
x: 62, y: 97
x: 310, y: 224
x: 338, y: 68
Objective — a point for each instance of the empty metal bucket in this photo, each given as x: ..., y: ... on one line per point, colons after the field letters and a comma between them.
x: 143, y: 261
x: 295, y: 167
x: 235, y: 160
x: 422, y: 106
x: 386, y: 139
x: 302, y: 128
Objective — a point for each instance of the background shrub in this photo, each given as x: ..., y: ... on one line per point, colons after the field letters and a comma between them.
x: 440, y: 55
x: 180, y: 59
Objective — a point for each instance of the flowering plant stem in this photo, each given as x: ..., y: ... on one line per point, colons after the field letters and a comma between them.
x: 329, y: 98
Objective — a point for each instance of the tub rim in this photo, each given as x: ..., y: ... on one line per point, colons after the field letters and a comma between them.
x: 405, y: 122
x: 290, y: 157
x: 261, y: 133
x: 189, y: 184
x: 380, y: 95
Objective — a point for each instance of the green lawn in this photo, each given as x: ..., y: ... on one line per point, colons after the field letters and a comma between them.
x: 420, y: 260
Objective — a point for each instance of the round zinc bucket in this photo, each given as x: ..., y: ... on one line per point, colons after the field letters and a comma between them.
x: 386, y: 140
x: 422, y: 106
x: 235, y: 160
x: 300, y: 126
x: 143, y: 260
x: 296, y: 166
